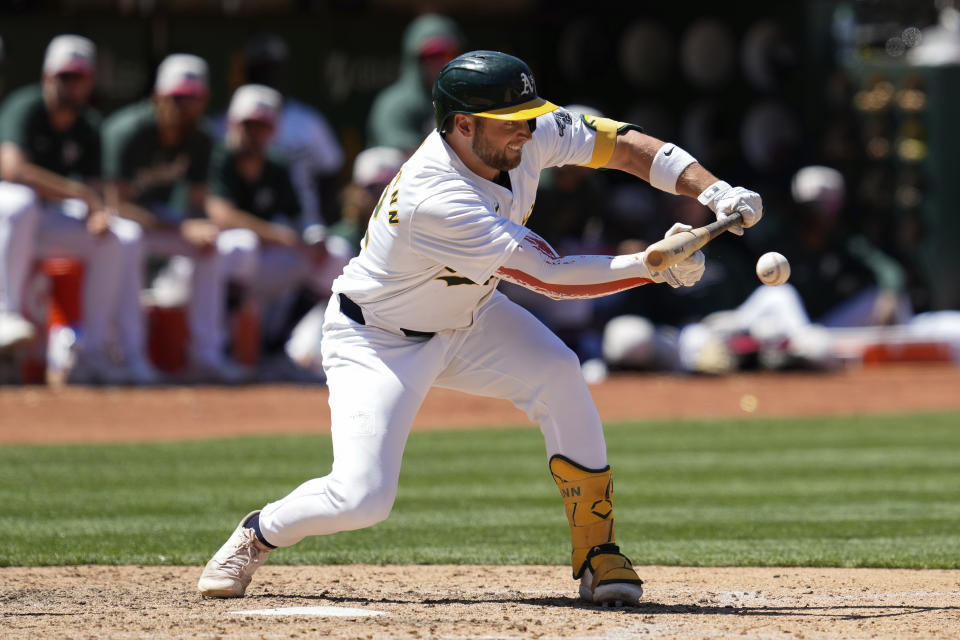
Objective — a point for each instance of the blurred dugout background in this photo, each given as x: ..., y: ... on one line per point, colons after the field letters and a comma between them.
x: 754, y: 89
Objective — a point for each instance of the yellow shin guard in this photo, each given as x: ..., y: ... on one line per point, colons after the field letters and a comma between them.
x: 588, y: 499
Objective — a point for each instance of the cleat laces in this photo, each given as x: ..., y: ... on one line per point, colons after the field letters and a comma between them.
x: 245, y: 554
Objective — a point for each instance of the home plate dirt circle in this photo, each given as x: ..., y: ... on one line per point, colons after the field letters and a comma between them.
x: 326, y: 612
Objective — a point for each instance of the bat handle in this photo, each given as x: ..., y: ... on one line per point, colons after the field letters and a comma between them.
x: 721, y: 225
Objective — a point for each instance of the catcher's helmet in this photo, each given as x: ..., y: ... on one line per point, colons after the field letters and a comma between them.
x: 489, y: 84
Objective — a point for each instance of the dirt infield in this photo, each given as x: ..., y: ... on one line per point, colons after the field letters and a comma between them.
x: 481, y: 602
x: 74, y: 414
x: 471, y: 601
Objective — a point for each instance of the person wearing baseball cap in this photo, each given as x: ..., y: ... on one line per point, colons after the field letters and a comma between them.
x: 70, y: 54
x: 843, y: 277
x: 402, y: 113
x: 156, y: 162
x: 373, y: 168
x: 182, y: 74
x: 51, y: 204
x: 251, y: 195
x: 248, y: 189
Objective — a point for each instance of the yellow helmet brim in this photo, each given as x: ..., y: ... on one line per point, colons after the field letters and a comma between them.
x: 523, y: 111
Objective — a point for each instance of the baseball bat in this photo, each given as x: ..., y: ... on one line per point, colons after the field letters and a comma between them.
x: 680, y: 246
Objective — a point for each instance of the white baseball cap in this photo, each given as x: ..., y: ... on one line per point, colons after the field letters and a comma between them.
x: 255, y: 102
x: 818, y: 184
x: 70, y: 54
x: 182, y: 74
x: 377, y: 165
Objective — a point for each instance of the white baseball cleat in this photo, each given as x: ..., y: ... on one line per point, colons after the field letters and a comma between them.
x: 609, y: 578
x: 230, y: 570
x: 618, y: 594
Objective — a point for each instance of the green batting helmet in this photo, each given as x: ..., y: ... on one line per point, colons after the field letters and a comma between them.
x: 489, y: 84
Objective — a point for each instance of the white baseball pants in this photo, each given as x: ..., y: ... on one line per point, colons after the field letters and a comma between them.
x: 378, y: 380
x: 30, y: 229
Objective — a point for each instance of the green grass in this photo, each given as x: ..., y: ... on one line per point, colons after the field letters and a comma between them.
x: 854, y: 491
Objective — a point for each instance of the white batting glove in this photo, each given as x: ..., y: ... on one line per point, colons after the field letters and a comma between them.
x: 686, y: 273
x: 725, y: 200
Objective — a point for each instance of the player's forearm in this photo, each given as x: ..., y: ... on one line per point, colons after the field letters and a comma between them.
x: 143, y: 217
x: 120, y: 197
x: 52, y: 186
x: 226, y: 216
x: 536, y: 266
x: 662, y: 164
x: 694, y: 179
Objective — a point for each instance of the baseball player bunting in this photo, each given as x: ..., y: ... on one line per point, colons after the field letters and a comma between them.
x: 419, y: 308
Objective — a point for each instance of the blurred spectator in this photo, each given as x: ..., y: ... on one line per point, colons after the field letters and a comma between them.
x: 156, y: 160
x: 373, y: 169
x: 402, y: 114
x: 50, y: 203
x: 843, y: 279
x: 250, y: 190
x: 303, y: 134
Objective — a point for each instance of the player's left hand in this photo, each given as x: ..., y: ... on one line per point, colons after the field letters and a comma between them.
x: 688, y: 272
x: 725, y: 200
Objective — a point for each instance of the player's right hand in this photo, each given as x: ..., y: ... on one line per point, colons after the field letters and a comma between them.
x: 202, y: 234
x: 686, y: 273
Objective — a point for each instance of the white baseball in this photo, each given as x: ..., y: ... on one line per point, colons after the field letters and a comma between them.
x: 773, y: 268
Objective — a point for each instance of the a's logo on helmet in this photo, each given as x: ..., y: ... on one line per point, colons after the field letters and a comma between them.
x: 528, y: 86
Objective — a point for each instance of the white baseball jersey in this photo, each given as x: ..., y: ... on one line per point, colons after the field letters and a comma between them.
x: 440, y: 231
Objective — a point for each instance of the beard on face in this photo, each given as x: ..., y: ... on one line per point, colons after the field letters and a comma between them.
x: 491, y: 156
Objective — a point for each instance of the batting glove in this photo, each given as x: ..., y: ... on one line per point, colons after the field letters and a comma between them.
x: 686, y: 273
x: 725, y: 200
